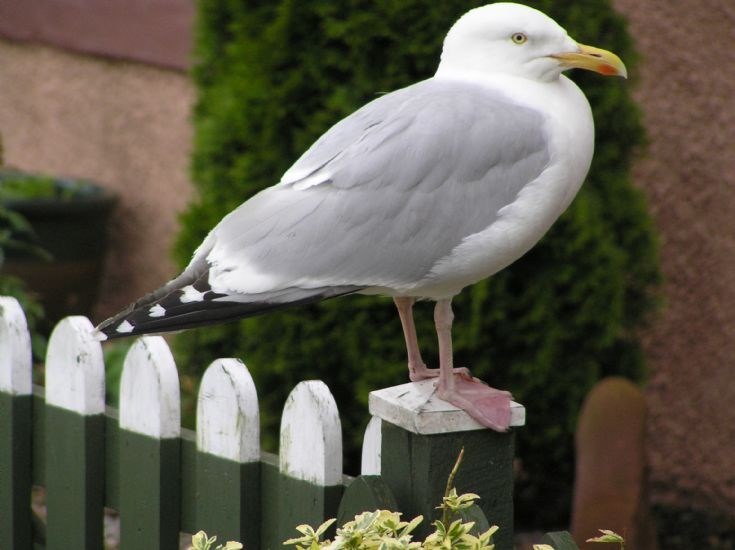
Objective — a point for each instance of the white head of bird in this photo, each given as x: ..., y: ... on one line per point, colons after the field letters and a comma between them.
x: 519, y: 41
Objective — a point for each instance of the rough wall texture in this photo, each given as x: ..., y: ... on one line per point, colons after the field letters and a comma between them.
x: 121, y: 124
x: 687, y: 91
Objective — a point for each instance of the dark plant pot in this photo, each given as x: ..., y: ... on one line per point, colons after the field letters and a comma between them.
x: 73, y: 230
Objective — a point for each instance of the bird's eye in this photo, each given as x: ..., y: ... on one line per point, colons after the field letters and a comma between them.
x: 519, y: 38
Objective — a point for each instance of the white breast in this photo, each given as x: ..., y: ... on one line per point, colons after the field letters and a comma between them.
x: 522, y: 223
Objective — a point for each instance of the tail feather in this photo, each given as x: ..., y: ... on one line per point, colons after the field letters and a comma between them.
x: 189, y: 302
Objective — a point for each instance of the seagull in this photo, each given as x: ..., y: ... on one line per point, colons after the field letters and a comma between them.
x: 416, y: 195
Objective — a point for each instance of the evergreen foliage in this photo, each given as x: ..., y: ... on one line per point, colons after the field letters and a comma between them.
x: 274, y: 75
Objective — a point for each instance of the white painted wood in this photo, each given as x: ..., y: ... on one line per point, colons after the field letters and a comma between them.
x: 311, y: 435
x: 371, y: 445
x: 149, y: 390
x: 75, y: 370
x: 228, y: 419
x: 415, y: 407
x: 15, y: 349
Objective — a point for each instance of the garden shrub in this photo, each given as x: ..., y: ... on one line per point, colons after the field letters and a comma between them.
x: 272, y: 76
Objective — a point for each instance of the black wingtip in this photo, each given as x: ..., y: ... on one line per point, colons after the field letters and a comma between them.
x: 171, y: 314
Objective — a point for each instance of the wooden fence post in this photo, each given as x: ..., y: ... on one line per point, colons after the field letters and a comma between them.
x: 228, y: 461
x: 150, y: 417
x: 15, y: 427
x: 75, y: 405
x: 421, y: 438
x: 309, y: 484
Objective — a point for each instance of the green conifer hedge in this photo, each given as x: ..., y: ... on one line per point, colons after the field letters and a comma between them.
x: 273, y: 75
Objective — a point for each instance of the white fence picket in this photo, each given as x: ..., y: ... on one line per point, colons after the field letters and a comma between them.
x: 75, y: 371
x: 371, y: 442
x: 15, y: 349
x: 311, y: 435
x: 228, y: 418
x: 149, y: 390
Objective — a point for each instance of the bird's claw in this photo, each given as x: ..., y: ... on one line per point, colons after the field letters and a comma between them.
x: 417, y: 373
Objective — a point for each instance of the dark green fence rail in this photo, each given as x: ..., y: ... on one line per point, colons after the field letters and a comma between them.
x: 163, y: 480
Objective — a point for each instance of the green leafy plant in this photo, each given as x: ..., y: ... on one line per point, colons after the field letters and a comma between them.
x: 17, y: 234
x: 15, y: 185
x: 452, y: 504
x: 383, y: 529
x: 200, y: 541
x: 609, y: 536
x: 18, y: 186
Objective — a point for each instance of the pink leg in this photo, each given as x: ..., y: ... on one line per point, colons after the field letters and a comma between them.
x: 443, y: 319
x: 417, y: 369
x: 490, y: 407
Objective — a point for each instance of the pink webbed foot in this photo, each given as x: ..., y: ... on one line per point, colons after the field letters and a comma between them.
x: 489, y: 406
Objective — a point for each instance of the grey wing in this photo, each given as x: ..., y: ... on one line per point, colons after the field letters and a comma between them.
x: 341, y: 136
x: 383, y: 196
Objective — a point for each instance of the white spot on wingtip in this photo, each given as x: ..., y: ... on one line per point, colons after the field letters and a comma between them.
x: 98, y: 336
x: 191, y: 294
x: 125, y: 327
x: 157, y: 311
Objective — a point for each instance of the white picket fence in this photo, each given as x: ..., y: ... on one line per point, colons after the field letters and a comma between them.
x: 228, y: 417
x: 164, y: 480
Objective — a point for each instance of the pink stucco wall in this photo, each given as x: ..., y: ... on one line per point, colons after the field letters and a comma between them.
x: 686, y: 88
x: 122, y: 124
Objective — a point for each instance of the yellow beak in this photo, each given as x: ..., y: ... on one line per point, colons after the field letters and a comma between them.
x: 593, y: 59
